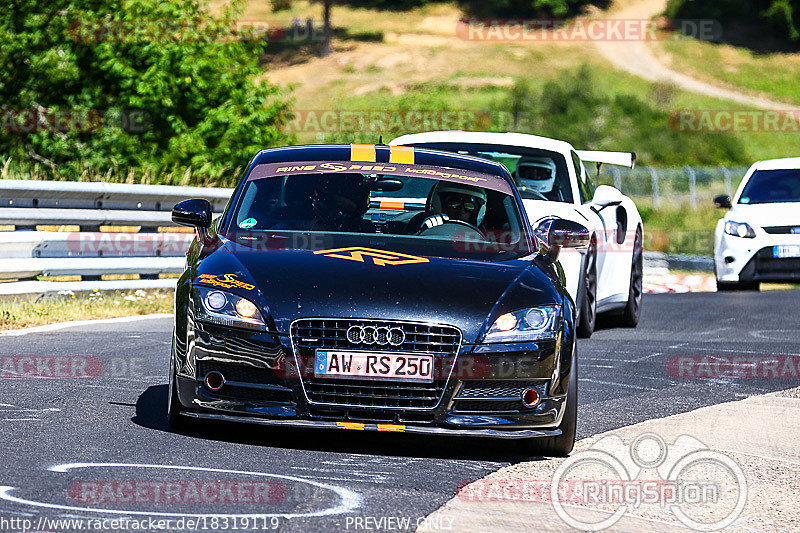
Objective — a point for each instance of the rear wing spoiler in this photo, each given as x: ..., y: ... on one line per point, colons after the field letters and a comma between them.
x: 623, y: 159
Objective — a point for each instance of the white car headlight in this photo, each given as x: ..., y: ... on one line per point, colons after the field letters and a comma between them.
x: 740, y: 229
x: 536, y: 323
x: 226, y: 309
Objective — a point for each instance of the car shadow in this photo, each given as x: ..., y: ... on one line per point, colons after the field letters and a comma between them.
x: 151, y: 414
x: 605, y: 321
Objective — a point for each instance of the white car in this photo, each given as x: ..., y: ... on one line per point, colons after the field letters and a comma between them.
x: 553, y: 182
x: 759, y: 238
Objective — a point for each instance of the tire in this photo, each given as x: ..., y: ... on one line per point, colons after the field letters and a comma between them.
x: 174, y: 411
x: 727, y: 286
x: 588, y: 313
x: 562, y: 445
x: 633, y: 309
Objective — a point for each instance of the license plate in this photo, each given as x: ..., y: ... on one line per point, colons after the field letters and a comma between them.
x: 786, y: 250
x: 366, y: 365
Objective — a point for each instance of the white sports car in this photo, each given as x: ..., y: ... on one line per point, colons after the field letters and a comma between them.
x: 553, y: 183
x: 759, y: 238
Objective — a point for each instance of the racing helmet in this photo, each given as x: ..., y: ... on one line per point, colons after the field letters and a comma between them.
x: 535, y: 173
x: 341, y: 199
x: 443, y: 188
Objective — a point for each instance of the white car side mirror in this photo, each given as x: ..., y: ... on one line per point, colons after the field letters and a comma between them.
x: 605, y: 196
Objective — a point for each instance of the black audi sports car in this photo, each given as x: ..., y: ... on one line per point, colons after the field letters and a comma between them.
x: 376, y: 288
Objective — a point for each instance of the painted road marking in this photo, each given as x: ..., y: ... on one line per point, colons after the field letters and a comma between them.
x: 350, y: 500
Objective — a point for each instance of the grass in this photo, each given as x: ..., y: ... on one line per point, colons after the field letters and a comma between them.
x: 11, y: 168
x: 678, y: 229
x: 16, y: 314
x: 773, y: 75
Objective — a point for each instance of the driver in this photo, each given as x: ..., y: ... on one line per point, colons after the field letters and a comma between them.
x: 339, y: 203
x: 454, y: 201
x: 536, y: 174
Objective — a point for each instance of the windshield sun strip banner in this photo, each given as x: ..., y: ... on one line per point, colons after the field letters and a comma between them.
x: 487, y: 181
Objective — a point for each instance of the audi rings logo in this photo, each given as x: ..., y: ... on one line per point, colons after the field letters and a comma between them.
x: 380, y: 335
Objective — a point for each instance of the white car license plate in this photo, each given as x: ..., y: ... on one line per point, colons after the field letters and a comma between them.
x: 397, y: 366
x: 786, y: 250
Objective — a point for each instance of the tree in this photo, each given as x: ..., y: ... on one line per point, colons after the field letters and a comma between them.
x: 767, y: 15
x: 132, y: 82
x: 527, y: 8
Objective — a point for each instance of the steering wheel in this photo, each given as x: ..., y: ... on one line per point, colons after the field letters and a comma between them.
x: 453, y: 221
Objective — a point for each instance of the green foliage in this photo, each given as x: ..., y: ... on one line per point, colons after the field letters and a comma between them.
x: 132, y: 83
x: 782, y: 16
x: 680, y: 229
x: 572, y: 107
x: 528, y: 8
x: 389, y: 5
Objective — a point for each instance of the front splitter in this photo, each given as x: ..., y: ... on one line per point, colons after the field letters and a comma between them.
x: 390, y: 428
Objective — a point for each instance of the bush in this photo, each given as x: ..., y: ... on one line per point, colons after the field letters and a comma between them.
x: 141, y: 83
x: 573, y: 108
x: 528, y: 8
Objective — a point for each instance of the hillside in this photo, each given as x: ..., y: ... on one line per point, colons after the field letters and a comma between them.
x: 416, y: 60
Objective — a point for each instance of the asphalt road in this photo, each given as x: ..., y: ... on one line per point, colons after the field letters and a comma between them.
x: 626, y: 376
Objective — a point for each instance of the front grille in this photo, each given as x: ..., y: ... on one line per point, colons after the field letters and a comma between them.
x: 372, y: 415
x: 242, y: 382
x: 249, y: 394
x: 494, y: 396
x: 763, y: 266
x: 493, y: 389
x: 782, y: 230
x: 240, y: 373
x: 442, y: 342
x: 487, y: 406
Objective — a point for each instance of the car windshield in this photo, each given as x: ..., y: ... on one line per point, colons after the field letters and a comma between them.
x: 468, y: 215
x: 772, y: 186
x: 538, y: 174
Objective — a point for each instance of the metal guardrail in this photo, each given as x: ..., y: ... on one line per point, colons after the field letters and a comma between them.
x: 694, y: 186
x: 657, y: 263
x: 28, y: 257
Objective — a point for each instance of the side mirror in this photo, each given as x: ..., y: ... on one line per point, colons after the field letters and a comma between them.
x: 560, y: 233
x: 605, y: 196
x: 723, y: 201
x: 195, y: 213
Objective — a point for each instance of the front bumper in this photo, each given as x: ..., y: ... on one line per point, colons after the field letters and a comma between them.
x: 394, y: 428
x: 480, y: 396
x: 739, y: 259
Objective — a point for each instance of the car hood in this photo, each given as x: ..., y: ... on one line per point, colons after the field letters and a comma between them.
x: 301, y: 283
x: 761, y: 215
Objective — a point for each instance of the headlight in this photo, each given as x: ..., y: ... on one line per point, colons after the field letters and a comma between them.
x: 739, y: 229
x: 226, y: 309
x: 536, y: 323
